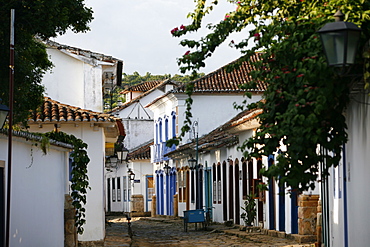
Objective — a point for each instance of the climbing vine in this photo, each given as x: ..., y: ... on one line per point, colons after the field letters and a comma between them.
x: 304, y: 103
x: 79, y: 178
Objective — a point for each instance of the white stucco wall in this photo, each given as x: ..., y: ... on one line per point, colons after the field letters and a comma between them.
x: 141, y: 168
x: 137, y: 132
x: 39, y: 183
x: 137, y: 110
x: 74, y: 82
x: 357, y: 171
x: 94, y: 229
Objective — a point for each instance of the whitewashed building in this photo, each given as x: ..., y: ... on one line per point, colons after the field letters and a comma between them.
x: 39, y: 184
x: 138, y: 125
x: 74, y: 88
x: 213, y: 98
x: 346, y: 221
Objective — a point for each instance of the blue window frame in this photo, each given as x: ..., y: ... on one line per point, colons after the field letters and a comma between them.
x: 173, y: 124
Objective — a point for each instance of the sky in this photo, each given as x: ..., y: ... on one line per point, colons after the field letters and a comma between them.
x: 138, y: 32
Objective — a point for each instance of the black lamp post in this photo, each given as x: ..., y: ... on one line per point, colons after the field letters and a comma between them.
x: 193, y: 163
x: 4, y: 110
x: 340, y: 40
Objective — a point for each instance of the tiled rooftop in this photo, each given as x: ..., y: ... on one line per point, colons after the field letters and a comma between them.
x: 34, y: 137
x: 221, y: 81
x: 148, y: 87
x: 141, y: 152
x: 220, y: 136
x: 142, y: 87
x: 81, y: 52
x: 54, y: 111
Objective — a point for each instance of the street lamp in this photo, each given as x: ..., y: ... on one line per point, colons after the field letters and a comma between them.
x: 131, y: 174
x: 166, y: 169
x: 340, y: 40
x: 121, y: 152
x: 4, y: 110
x: 193, y: 163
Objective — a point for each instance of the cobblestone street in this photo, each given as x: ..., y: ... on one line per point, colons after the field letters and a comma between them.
x: 170, y: 232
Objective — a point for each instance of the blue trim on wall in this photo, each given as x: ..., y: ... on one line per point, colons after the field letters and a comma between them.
x: 168, y: 196
x: 281, y: 208
x: 294, y: 212
x: 271, y: 197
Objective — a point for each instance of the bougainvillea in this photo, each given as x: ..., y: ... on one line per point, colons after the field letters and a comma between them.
x: 305, y: 100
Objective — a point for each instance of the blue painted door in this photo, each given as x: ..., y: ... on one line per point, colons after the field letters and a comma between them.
x: 294, y: 212
x: 281, y: 208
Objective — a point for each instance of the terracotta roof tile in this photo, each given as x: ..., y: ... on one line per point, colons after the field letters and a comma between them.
x: 141, y: 152
x: 54, y: 111
x: 220, y: 136
x: 142, y: 87
x: 154, y: 87
x: 221, y: 81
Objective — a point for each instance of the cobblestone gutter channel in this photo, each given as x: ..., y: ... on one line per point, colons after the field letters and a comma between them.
x: 170, y: 232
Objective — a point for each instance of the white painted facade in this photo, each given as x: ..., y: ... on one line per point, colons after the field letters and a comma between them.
x: 69, y: 72
x: 38, y: 186
x: 138, y: 125
x: 210, y: 111
x: 94, y: 229
x: 348, y: 204
x: 77, y: 80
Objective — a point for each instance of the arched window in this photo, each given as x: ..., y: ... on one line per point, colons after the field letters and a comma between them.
x: 166, y: 128
x: 156, y: 134
x: 160, y: 129
x: 214, y: 183
x: 245, y: 180
x: 173, y: 114
x: 219, y: 183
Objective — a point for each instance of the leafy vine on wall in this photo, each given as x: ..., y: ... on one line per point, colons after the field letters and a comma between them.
x: 79, y: 178
x: 304, y: 103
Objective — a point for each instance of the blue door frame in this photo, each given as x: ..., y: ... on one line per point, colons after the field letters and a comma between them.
x: 168, y: 195
x: 281, y: 208
x: 294, y: 212
x: 271, y: 197
x: 147, y: 194
x: 208, y: 189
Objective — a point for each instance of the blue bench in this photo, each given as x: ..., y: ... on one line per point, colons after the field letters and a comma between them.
x: 193, y: 216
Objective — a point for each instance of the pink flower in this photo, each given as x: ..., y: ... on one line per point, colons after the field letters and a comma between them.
x: 226, y: 16
x: 182, y: 27
x: 174, y: 30
x: 257, y: 36
x: 300, y: 75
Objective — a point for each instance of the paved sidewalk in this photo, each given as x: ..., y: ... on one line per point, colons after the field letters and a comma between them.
x: 170, y: 232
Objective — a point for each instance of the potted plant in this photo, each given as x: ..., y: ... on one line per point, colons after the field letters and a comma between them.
x: 250, y: 211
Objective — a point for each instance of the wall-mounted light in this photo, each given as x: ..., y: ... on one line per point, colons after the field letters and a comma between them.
x: 166, y: 169
x: 192, y: 163
x: 4, y: 111
x: 131, y: 174
x: 121, y: 152
x: 340, y: 40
